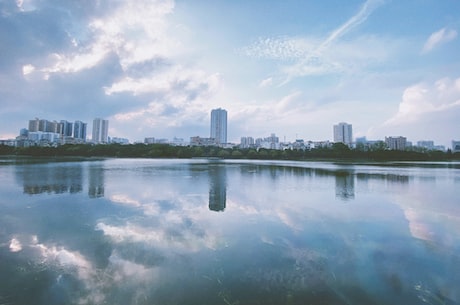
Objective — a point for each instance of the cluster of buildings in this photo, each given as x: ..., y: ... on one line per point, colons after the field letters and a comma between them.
x: 42, y: 132
x: 52, y: 133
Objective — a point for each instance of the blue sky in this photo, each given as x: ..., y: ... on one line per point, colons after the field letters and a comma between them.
x: 294, y: 68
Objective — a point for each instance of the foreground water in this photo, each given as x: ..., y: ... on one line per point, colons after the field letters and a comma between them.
x: 222, y: 232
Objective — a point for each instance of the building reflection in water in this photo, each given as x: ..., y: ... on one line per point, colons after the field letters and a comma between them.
x: 345, y: 185
x: 51, y: 179
x: 217, y: 187
x: 96, y: 182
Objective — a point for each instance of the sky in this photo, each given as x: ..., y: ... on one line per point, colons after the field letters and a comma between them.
x: 156, y: 68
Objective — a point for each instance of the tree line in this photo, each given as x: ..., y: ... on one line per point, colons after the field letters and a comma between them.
x: 336, y: 151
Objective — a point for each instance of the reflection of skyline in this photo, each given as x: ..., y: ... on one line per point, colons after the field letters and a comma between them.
x: 345, y: 185
x: 217, y: 188
x: 54, y: 179
x: 96, y: 182
x: 162, y: 239
x: 60, y: 179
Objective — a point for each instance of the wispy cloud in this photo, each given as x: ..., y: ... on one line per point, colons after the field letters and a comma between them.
x: 266, y: 82
x: 442, y: 36
x: 315, y: 56
x: 366, y: 10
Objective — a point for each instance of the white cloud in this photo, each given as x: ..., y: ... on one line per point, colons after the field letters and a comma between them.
x: 25, y: 5
x: 166, y: 81
x: 27, y: 69
x: 421, y: 99
x: 427, y: 111
x: 15, y: 245
x: 136, y: 32
x: 266, y: 82
x: 437, y: 38
x: 124, y: 199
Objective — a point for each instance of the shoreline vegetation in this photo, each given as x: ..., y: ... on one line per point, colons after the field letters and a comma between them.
x: 337, y: 151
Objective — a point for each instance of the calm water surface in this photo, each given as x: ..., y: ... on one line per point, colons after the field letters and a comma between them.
x: 124, y: 231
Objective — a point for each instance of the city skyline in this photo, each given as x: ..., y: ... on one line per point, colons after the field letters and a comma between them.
x: 61, y: 133
x: 156, y: 68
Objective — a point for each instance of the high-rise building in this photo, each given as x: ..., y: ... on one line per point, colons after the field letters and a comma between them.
x: 33, y: 125
x: 65, y: 128
x: 79, y: 131
x: 219, y: 126
x: 343, y: 133
x: 396, y: 143
x: 44, y: 125
x: 100, y: 130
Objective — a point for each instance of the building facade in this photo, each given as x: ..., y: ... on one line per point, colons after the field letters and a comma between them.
x: 33, y: 125
x: 396, y: 143
x: 343, y: 133
x: 246, y: 142
x: 100, y: 131
x: 219, y: 126
x: 79, y: 131
x: 65, y: 128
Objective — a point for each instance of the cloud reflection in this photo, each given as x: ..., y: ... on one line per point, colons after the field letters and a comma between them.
x: 282, y: 227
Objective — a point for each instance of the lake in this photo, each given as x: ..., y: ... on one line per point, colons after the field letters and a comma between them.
x: 148, y: 231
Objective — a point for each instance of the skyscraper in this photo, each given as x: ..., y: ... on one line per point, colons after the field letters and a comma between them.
x: 33, y: 125
x: 343, y: 133
x: 100, y: 130
x: 79, y: 131
x: 219, y: 125
x: 65, y: 128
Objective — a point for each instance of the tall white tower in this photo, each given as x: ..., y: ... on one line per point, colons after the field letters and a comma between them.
x: 219, y: 125
x: 100, y: 130
x: 343, y: 133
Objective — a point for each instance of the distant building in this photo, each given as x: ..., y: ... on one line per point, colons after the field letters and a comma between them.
x: 343, y: 133
x: 455, y: 146
x: 219, y: 126
x: 65, y: 128
x: 43, y: 138
x: 100, y: 131
x: 199, y: 141
x: 149, y: 140
x: 117, y: 140
x: 272, y: 142
x: 33, y: 125
x: 9, y: 142
x: 426, y: 144
x: 396, y: 143
x: 24, y: 133
x: 46, y: 126
x: 79, y: 131
x: 43, y: 125
x: 246, y: 142
x: 440, y: 147
x: 177, y: 142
